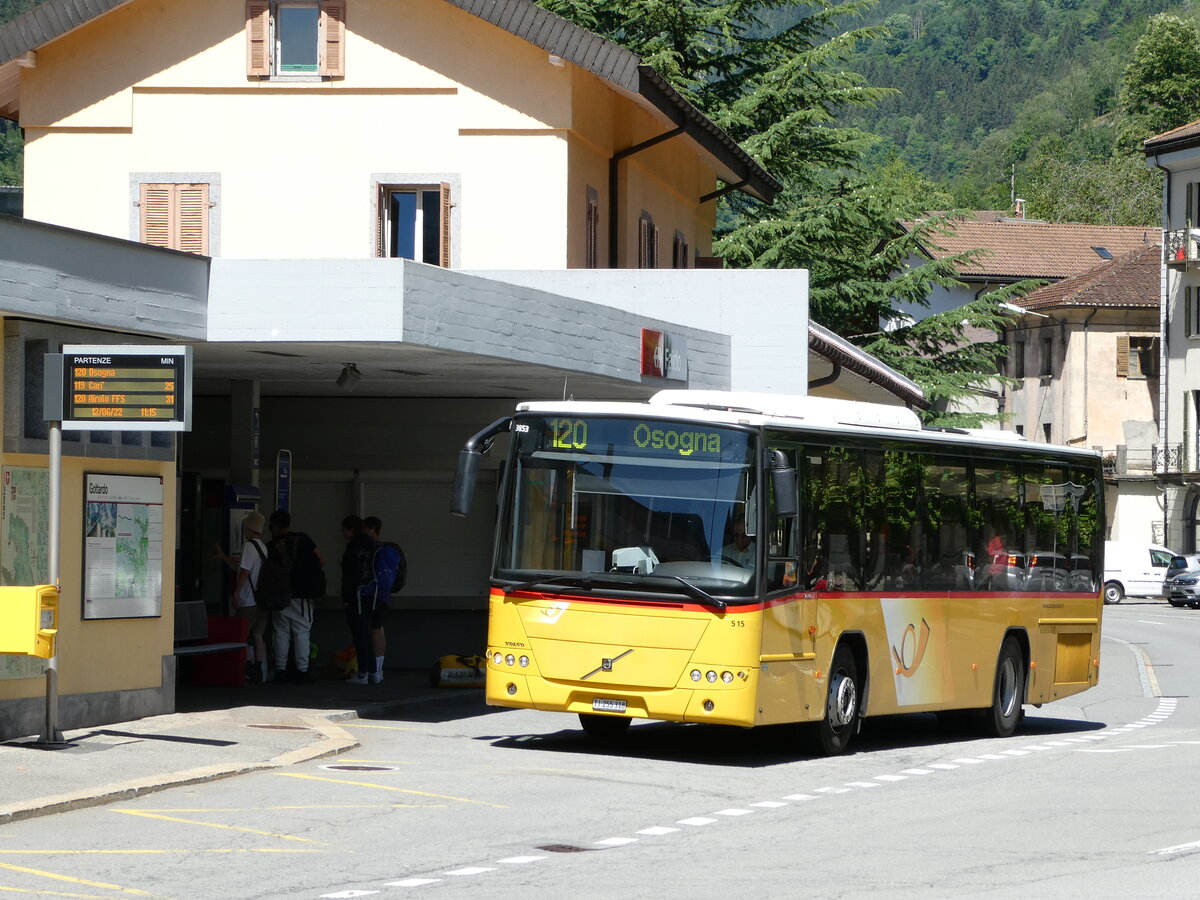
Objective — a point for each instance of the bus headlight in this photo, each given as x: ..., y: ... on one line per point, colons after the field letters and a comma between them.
x: 509, y: 660
x: 727, y: 677
x: 711, y: 676
x: 524, y: 661
x: 497, y: 658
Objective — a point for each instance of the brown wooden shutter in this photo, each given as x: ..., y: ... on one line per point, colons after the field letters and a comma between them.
x: 1123, y: 355
x: 591, y: 238
x: 446, y: 208
x: 332, y: 63
x: 258, y: 38
x: 192, y: 218
x: 175, y: 216
x: 1189, y: 322
x: 155, y: 205
x: 382, y: 211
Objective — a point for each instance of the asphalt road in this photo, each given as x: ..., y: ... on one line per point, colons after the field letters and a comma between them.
x: 1095, y: 797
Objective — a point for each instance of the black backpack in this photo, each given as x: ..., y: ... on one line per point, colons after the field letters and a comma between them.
x: 273, y: 589
x: 308, y: 577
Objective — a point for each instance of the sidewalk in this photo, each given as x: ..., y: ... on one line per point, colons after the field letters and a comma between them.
x: 216, y: 733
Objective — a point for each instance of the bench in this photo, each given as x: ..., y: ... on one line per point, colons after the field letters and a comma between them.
x: 200, y: 635
x: 192, y: 624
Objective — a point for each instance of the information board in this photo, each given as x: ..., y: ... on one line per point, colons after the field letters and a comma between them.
x: 126, y: 388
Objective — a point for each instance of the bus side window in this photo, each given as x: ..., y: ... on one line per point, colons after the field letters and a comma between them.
x: 783, y: 539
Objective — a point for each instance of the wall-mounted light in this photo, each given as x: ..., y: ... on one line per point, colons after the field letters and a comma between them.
x: 349, y: 378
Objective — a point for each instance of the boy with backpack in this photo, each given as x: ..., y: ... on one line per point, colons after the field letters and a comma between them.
x: 385, y: 574
x: 292, y: 610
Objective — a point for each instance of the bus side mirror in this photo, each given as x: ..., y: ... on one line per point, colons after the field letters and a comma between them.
x: 468, y: 465
x: 464, y: 481
x: 783, y: 485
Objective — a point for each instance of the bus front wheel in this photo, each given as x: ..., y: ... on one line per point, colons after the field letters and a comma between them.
x: 1008, y: 692
x: 834, y: 731
x: 604, y: 727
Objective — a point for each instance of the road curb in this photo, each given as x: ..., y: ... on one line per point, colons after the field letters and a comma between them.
x: 333, y: 740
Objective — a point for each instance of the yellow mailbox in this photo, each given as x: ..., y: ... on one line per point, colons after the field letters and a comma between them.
x: 29, y: 620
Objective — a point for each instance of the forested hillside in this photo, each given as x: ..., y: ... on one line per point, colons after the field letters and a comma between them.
x: 995, y: 97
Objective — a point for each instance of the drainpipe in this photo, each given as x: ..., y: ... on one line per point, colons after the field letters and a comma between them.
x: 1083, y: 437
x: 613, y: 204
x: 828, y: 379
x: 1162, y: 318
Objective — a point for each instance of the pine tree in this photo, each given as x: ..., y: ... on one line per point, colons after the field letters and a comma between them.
x: 771, y: 73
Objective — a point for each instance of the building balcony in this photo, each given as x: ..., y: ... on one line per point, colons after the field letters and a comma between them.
x: 1181, y: 246
x: 1156, y: 459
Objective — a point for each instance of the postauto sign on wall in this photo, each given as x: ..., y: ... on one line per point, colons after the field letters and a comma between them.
x: 124, y: 388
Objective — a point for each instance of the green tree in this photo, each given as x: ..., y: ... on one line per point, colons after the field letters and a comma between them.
x: 12, y: 153
x: 1161, y: 86
x: 773, y: 74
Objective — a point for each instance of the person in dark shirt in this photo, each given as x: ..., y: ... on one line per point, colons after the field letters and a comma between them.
x: 356, y: 571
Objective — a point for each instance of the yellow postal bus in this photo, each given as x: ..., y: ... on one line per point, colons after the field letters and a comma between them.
x: 749, y: 559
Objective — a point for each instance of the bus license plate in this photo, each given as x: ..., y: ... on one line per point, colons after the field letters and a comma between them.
x: 602, y: 704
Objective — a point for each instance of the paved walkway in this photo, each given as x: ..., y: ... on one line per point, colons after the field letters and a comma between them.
x: 216, y: 733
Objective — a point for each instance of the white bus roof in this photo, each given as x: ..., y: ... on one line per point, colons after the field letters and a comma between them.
x: 818, y: 413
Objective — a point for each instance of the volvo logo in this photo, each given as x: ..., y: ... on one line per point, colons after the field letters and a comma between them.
x: 606, y: 665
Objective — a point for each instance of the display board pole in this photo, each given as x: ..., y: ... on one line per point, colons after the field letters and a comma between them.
x: 51, y: 735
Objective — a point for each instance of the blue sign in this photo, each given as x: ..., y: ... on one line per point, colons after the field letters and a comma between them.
x: 283, y: 480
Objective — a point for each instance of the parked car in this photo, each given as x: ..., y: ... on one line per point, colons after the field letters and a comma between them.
x: 1132, y: 569
x: 1183, y: 580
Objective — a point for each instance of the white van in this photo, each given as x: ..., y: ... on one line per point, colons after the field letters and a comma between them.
x: 1135, y: 570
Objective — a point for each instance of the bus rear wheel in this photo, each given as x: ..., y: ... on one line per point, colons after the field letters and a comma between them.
x: 605, y: 728
x: 833, y: 732
x: 1008, y: 693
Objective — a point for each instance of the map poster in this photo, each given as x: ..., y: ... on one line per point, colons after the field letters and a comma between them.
x: 122, y: 546
x: 24, y: 559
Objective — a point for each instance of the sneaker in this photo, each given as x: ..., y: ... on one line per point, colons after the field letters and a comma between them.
x: 357, y: 678
x: 305, y: 677
x: 376, y: 678
x: 281, y: 676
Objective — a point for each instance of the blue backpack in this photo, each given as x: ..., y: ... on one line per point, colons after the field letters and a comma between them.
x: 390, y: 567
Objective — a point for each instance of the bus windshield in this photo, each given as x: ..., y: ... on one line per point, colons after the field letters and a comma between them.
x: 654, y: 504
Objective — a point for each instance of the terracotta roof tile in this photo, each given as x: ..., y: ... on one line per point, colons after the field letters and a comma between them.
x: 1191, y: 129
x: 1129, y: 281
x: 1015, y: 249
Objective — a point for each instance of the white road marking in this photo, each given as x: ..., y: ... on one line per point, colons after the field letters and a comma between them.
x: 696, y: 821
x: 799, y: 797
x: 519, y: 860
x: 862, y: 784
x: 917, y: 771
x: 733, y: 812
x: 891, y: 778
x: 658, y: 829
x: 469, y: 870
x: 412, y: 882
x: 768, y: 804
x: 969, y: 761
x: 1178, y: 848
x: 615, y: 842
x: 341, y: 894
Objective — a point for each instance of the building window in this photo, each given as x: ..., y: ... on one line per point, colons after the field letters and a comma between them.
x: 295, y: 38
x: 1046, y: 432
x: 591, y: 230
x: 1018, y: 359
x: 175, y: 216
x: 679, y: 251
x: 1191, y: 311
x: 647, y: 242
x: 1137, y: 357
x: 1047, y: 357
x: 414, y: 223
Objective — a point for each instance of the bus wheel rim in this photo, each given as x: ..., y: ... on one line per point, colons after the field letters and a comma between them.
x: 1008, y: 687
x: 843, y: 700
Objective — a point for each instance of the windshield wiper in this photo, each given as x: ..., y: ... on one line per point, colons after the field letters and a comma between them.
x: 587, y: 582
x: 696, y: 593
x: 579, y: 581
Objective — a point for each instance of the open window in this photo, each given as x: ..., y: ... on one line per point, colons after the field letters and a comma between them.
x: 295, y: 38
x: 413, y: 222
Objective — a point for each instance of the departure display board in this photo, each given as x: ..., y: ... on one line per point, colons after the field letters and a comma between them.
x: 126, y: 388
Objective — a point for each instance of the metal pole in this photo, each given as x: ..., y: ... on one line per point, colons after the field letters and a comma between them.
x: 51, y: 734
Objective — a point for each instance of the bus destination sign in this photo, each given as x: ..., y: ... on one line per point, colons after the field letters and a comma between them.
x: 126, y: 388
